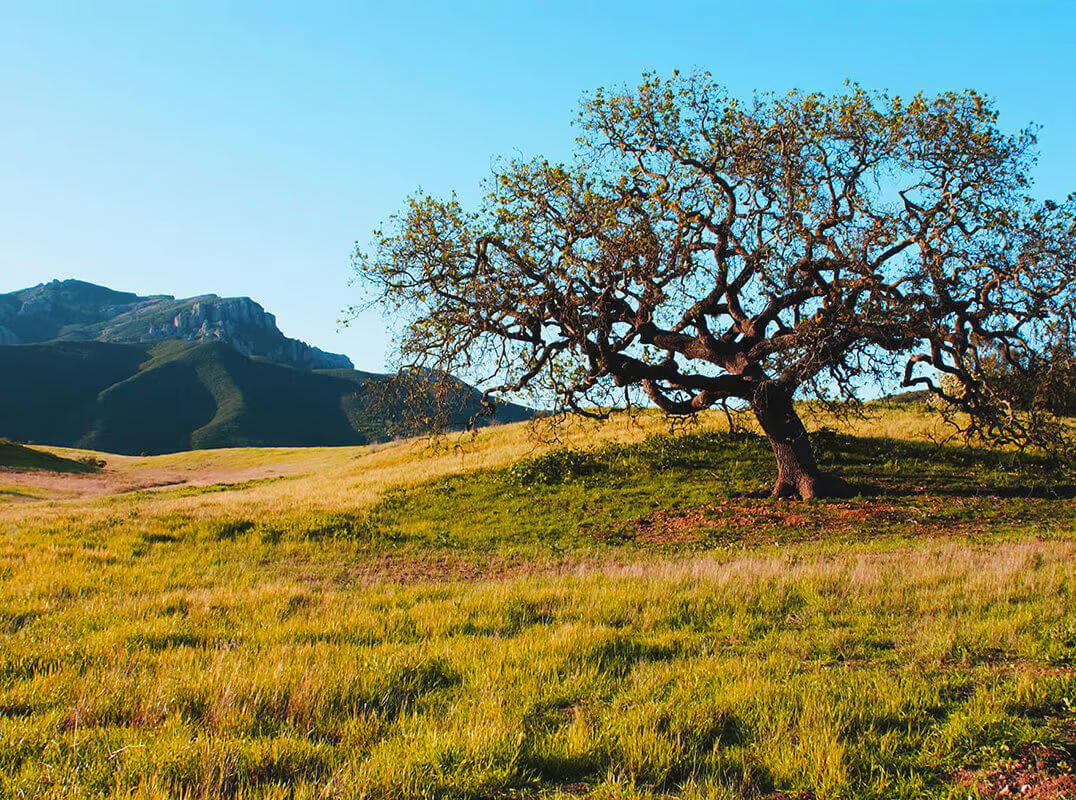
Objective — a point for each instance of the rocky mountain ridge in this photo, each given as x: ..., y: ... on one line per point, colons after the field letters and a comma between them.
x: 72, y: 310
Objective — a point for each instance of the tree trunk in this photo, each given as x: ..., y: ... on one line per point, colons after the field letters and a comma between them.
x: 798, y: 474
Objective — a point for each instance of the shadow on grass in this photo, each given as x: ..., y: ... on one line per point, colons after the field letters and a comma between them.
x: 875, y: 465
x: 1019, y: 492
x: 22, y: 458
x: 872, y: 491
x: 881, y: 467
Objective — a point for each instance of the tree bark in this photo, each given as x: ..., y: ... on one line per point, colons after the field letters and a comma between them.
x: 798, y: 474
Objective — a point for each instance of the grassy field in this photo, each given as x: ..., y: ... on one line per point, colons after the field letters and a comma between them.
x: 620, y: 615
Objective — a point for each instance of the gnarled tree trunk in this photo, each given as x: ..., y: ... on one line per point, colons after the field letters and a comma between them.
x: 798, y: 474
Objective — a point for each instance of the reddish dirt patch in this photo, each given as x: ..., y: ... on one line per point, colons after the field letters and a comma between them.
x: 1043, y: 773
x: 674, y: 527
x: 106, y: 482
x: 683, y: 526
x: 752, y: 519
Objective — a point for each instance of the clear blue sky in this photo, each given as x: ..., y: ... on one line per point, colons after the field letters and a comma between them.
x: 188, y: 147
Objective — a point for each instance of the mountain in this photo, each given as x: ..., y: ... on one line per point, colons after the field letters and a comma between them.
x: 90, y: 367
x: 79, y: 311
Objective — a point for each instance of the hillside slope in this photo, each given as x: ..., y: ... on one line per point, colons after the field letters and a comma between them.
x: 178, y: 395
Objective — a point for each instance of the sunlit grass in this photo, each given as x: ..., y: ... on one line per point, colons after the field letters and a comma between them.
x: 404, y: 622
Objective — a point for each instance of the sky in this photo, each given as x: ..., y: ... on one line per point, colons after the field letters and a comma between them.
x: 243, y: 148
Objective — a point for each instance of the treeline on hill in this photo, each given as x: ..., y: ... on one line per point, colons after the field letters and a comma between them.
x: 175, y: 395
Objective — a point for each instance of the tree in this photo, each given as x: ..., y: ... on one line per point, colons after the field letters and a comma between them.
x: 699, y: 248
x: 1043, y: 385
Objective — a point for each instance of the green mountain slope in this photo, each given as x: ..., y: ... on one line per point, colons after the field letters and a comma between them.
x: 177, y: 395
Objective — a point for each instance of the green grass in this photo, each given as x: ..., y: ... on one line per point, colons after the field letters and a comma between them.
x: 703, y: 489
x: 613, y: 621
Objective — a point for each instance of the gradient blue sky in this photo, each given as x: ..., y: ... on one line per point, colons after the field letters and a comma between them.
x: 188, y: 147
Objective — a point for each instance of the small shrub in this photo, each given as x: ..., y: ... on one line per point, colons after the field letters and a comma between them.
x: 657, y: 453
x: 319, y: 527
x: 826, y: 443
x: 689, y: 450
x: 558, y: 465
x: 225, y: 529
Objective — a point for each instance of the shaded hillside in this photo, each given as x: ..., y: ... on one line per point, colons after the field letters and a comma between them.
x: 177, y: 395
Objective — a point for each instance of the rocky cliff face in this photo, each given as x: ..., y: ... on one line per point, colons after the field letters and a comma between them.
x: 82, y: 311
x: 247, y: 327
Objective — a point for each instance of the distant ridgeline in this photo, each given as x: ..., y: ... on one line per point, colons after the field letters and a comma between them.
x: 86, y: 366
x: 78, y: 311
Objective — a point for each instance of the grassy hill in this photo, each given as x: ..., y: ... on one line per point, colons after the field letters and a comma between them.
x: 15, y: 456
x: 174, y: 396
x: 616, y: 615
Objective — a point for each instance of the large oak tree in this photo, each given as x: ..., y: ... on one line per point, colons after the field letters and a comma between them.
x: 699, y: 249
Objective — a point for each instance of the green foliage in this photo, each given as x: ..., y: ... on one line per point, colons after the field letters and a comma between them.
x: 656, y: 453
x: 560, y: 464
x: 676, y: 486
x: 698, y: 248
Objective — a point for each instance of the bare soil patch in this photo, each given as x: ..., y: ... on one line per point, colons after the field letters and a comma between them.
x: 750, y: 519
x: 110, y: 482
x: 1040, y: 772
x: 683, y: 526
x: 674, y: 527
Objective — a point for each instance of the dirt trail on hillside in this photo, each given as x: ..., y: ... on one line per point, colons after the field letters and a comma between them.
x: 110, y: 482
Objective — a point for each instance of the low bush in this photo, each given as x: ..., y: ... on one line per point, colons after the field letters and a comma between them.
x: 656, y: 453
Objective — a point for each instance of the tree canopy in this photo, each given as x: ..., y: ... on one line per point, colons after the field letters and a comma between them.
x: 700, y: 248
